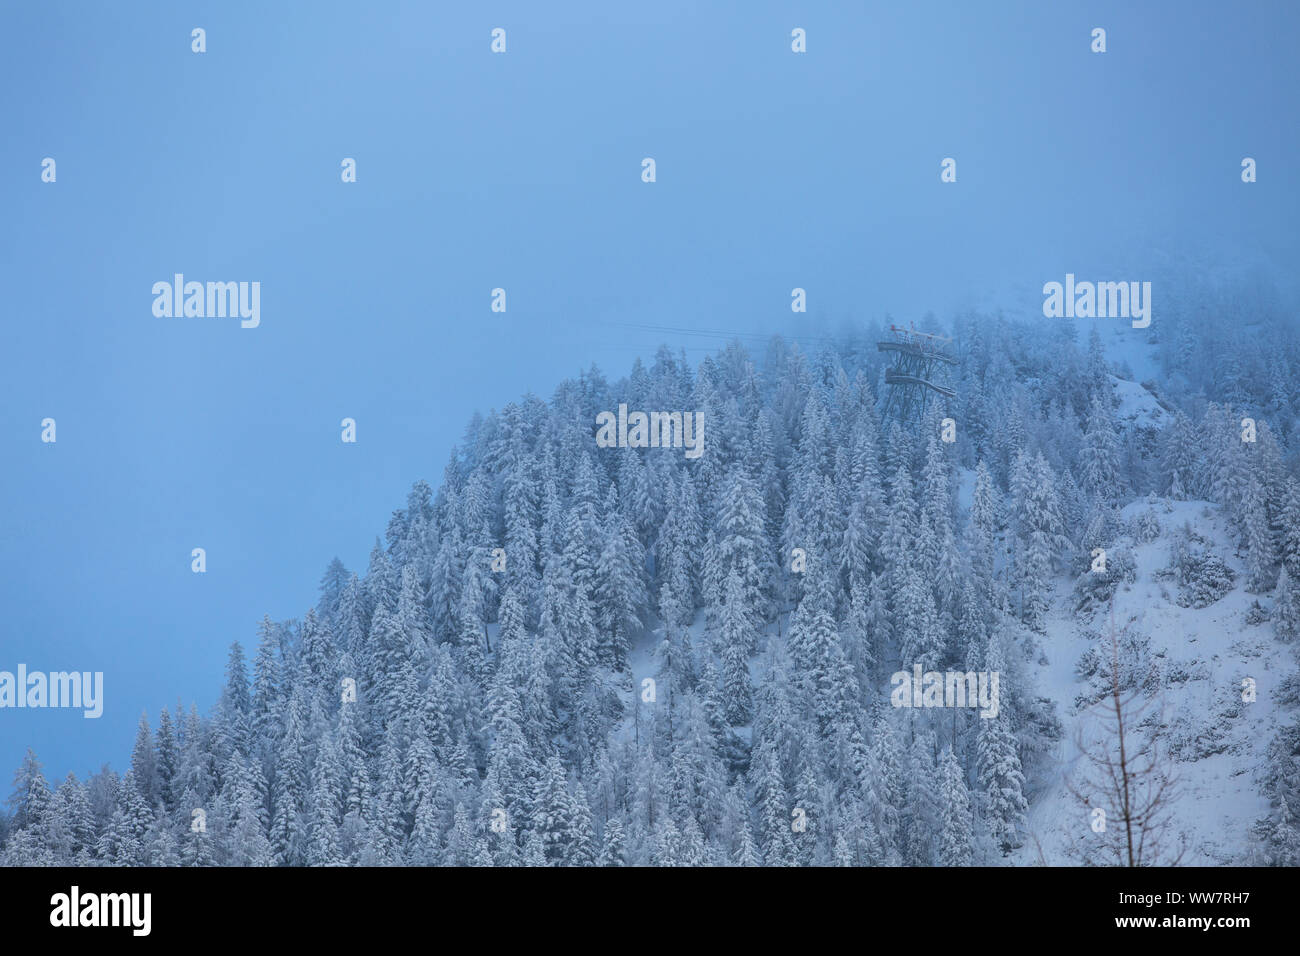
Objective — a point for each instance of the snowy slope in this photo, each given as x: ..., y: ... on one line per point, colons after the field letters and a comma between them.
x: 1203, y: 655
x: 1138, y: 407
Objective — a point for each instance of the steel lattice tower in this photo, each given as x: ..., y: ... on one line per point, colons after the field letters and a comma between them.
x: 919, y: 359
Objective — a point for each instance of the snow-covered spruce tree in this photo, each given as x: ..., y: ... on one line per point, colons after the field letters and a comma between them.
x: 1040, y: 535
x: 677, y: 555
x: 1000, y: 776
x: 1225, y: 457
x: 921, y: 815
x: 1278, y: 833
x: 955, y: 834
x: 1252, y: 514
x: 1179, y: 463
x: 1288, y: 539
x: 32, y: 804
x: 1202, y: 575
x: 521, y: 506
x: 1286, y: 608
x: 620, y: 591
x: 1098, y: 457
x: 981, y: 537
x: 735, y: 637
x: 740, y: 544
x: 612, y: 850
x: 866, y: 507
x: 898, y: 539
x: 72, y: 836
x: 937, y: 507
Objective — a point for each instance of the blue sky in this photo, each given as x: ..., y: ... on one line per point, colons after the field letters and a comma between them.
x: 522, y: 171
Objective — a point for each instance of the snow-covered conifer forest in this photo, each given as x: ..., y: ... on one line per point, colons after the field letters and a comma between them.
x: 572, y: 655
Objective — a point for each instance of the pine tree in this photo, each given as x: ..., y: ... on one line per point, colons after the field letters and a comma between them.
x: 866, y: 510
x: 144, y: 763
x: 1098, y: 458
x: 582, y: 849
x: 612, y: 850
x: 460, y: 839
x: 320, y: 658
x: 1286, y: 608
x: 677, y: 556
x: 746, y: 853
x: 1098, y: 372
x: 882, y: 782
x: 778, y: 849
x: 955, y: 835
x: 289, y: 790
x: 688, y: 849
x: 422, y: 846
x: 1178, y: 459
x: 471, y: 624
x: 32, y: 803
x: 1253, y: 517
x: 922, y: 818
x: 621, y: 585
x: 937, y: 498
x: 162, y: 848
x: 73, y: 831
x: 233, y: 730
x: 328, y: 780
x: 1000, y: 775
x: 1040, y: 532
x: 921, y: 637
x: 332, y: 583
x: 522, y: 514
x: 266, y: 706
x: 1289, y: 538
x: 124, y: 840
x: 356, y: 778
x: 534, y: 854
x: 196, y: 848
x: 166, y: 759
x: 553, y: 817
x: 741, y: 546
x: 735, y: 641
x: 249, y: 844
x: 899, y: 538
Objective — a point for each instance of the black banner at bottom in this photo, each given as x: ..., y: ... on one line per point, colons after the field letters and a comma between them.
x: 349, y: 906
